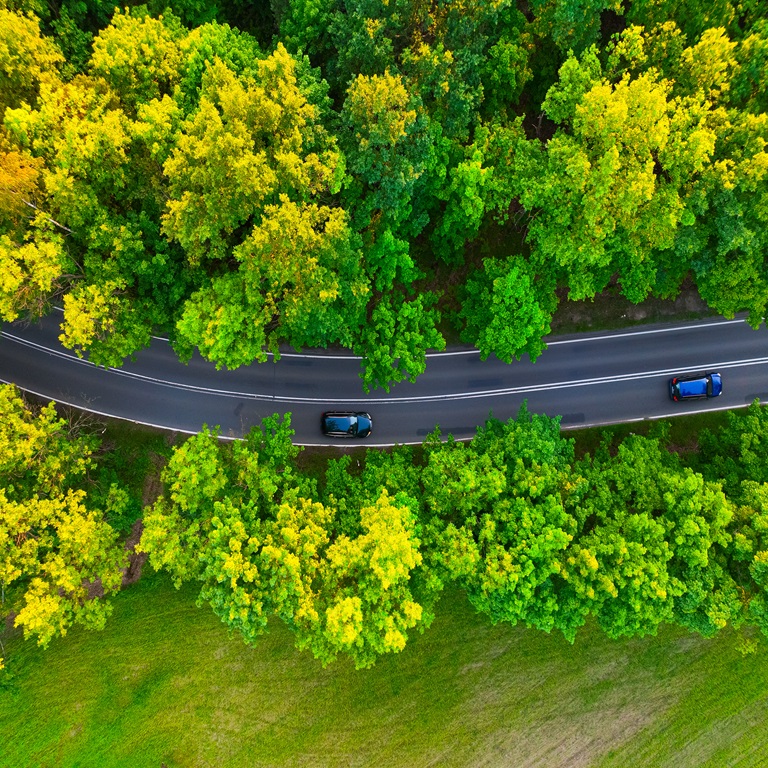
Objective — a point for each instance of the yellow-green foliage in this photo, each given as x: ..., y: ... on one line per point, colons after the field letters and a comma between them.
x: 56, y: 552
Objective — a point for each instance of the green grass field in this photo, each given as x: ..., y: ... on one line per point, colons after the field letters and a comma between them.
x: 164, y: 684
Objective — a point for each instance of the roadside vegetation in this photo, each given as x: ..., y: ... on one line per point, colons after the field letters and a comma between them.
x: 379, y: 176
x: 632, y: 532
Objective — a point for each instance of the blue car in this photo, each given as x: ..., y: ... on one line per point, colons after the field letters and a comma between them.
x: 696, y: 387
x: 346, y: 424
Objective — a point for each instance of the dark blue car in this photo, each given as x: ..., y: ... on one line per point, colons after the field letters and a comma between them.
x: 696, y: 387
x: 346, y: 424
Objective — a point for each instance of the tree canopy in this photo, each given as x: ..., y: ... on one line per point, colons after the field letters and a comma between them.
x: 633, y: 537
x: 59, y: 556
x: 300, y: 177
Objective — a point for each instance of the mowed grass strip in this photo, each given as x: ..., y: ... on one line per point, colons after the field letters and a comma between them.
x: 164, y: 683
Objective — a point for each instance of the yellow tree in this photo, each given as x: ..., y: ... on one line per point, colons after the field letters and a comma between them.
x: 19, y: 186
x: 138, y: 57
x: 364, y: 604
x: 97, y: 142
x: 248, y: 142
x: 27, y: 59
x: 246, y: 178
x: 58, y: 555
x: 57, y: 561
x: 238, y: 520
x: 29, y: 274
x: 611, y: 185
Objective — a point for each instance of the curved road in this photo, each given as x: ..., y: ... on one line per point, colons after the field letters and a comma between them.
x: 588, y: 379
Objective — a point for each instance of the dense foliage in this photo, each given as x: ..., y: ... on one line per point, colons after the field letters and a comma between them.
x: 632, y: 537
x: 59, y: 555
x: 245, y: 176
x: 354, y: 557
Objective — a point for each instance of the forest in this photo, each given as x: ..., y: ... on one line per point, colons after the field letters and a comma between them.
x: 354, y: 555
x: 383, y: 176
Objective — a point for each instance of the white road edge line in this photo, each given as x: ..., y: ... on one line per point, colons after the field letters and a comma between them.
x: 459, y: 352
x: 647, y: 332
x: 164, y: 428
x: 558, y: 342
x: 722, y: 365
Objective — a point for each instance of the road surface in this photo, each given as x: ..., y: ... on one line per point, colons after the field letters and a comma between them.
x: 589, y: 379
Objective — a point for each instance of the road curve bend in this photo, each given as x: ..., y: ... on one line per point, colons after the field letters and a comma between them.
x: 588, y: 379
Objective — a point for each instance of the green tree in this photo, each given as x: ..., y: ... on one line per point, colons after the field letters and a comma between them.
x: 482, y: 185
x: 207, y: 483
x: 720, y: 234
x: 652, y: 545
x: 726, y: 237
x: 737, y: 452
x: 395, y: 341
x: 748, y: 552
x: 506, y: 310
x: 300, y: 280
x: 571, y: 24
x: 507, y: 69
x: 201, y: 47
x: 349, y: 485
x: 386, y: 146
x: 750, y: 83
x: 498, y: 522
x: 310, y: 27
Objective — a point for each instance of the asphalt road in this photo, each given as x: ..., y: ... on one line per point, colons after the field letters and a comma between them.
x: 587, y: 379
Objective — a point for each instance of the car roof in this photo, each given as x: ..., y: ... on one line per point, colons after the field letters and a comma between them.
x: 697, y: 386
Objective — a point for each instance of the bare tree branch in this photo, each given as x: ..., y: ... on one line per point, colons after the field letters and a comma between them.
x: 48, y: 218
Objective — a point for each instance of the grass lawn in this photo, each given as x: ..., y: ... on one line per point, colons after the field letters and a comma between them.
x: 164, y: 684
